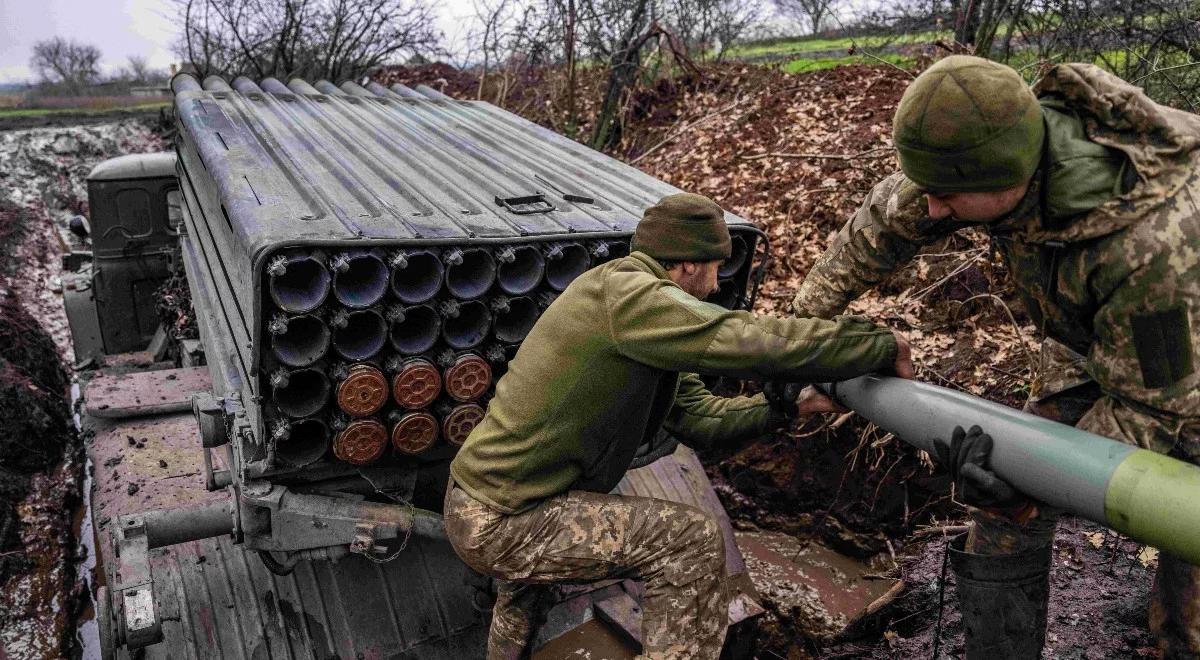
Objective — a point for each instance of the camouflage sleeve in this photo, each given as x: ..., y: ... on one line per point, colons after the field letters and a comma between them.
x: 700, y: 418
x: 1145, y: 353
x: 885, y: 232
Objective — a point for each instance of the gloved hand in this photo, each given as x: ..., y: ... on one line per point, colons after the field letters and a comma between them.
x: 781, y: 396
x: 790, y: 400
x: 967, y: 456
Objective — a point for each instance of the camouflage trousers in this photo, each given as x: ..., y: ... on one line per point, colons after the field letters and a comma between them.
x: 676, y: 550
x: 1069, y: 396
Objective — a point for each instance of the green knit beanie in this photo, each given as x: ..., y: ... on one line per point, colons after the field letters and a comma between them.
x: 683, y: 227
x: 968, y: 125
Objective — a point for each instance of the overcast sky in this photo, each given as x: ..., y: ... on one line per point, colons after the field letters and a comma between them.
x: 121, y: 28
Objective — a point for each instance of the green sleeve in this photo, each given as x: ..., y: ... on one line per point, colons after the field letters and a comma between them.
x: 654, y: 322
x: 887, y: 230
x: 701, y: 419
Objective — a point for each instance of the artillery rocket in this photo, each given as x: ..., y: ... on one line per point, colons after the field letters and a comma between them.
x: 1151, y: 498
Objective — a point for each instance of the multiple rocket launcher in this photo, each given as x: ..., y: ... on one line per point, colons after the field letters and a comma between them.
x: 364, y: 261
x: 375, y: 348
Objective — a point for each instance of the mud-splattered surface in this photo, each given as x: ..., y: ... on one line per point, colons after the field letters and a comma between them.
x: 42, y: 185
x: 1099, y: 593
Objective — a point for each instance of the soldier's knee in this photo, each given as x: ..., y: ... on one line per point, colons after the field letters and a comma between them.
x: 711, y: 544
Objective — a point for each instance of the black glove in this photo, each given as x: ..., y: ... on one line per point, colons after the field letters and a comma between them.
x: 781, y: 396
x: 967, y: 457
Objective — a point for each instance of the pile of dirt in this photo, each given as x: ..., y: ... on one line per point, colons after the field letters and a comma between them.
x: 42, y: 174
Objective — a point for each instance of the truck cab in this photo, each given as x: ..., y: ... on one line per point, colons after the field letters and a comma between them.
x: 136, y: 207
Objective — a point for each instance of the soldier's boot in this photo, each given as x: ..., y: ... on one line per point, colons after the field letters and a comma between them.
x: 1175, y: 608
x: 519, y: 611
x: 1003, y: 598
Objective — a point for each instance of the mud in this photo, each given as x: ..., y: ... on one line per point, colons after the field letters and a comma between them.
x: 1099, y: 592
x: 42, y: 185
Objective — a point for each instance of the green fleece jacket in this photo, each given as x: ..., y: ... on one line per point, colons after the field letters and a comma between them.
x: 600, y: 373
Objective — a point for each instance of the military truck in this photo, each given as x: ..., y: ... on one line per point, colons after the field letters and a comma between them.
x: 362, y: 261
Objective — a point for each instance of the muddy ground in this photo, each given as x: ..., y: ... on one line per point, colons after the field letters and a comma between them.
x: 42, y: 185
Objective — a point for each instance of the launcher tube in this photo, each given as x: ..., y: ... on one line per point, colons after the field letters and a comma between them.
x: 1152, y: 498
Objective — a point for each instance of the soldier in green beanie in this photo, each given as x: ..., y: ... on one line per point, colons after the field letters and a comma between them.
x: 1088, y: 189
x: 610, y: 362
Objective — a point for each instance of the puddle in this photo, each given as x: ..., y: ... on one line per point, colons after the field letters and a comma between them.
x: 817, y: 587
x: 87, y: 630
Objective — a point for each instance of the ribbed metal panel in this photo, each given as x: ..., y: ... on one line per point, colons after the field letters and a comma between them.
x: 317, y: 162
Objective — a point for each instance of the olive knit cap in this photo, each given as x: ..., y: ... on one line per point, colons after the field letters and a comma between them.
x: 683, y: 227
x: 968, y: 125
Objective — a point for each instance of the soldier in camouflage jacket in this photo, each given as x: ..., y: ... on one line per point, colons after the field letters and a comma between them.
x: 1102, y: 243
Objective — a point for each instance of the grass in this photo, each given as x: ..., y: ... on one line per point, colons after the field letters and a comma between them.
x: 809, y: 64
x: 41, y: 112
x: 800, y: 45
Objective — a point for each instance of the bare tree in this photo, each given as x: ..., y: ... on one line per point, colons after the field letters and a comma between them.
x: 335, y: 39
x: 66, y: 62
x: 815, y: 12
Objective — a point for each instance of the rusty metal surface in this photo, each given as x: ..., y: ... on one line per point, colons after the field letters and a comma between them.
x: 144, y: 393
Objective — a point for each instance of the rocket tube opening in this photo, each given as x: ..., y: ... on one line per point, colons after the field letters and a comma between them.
x: 363, y: 441
x: 523, y: 272
x: 726, y: 294
x: 468, y: 378
x: 737, y: 258
x: 418, y: 332
x: 363, y: 282
x: 513, y: 325
x: 299, y: 283
x: 472, y: 276
x: 417, y: 384
x: 618, y: 249
x: 460, y: 421
x: 419, y: 278
x: 306, y: 442
x: 305, y: 393
x: 564, y: 263
x: 415, y: 432
x: 304, y: 341
x: 363, y: 336
x: 469, y: 328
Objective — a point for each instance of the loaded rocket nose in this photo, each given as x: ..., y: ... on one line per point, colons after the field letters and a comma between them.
x: 363, y: 441
x: 362, y: 392
x: 414, y: 432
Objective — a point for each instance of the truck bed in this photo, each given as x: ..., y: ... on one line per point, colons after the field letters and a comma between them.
x: 218, y: 601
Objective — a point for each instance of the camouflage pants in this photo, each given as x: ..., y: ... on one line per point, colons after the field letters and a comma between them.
x: 1069, y: 396
x: 675, y: 549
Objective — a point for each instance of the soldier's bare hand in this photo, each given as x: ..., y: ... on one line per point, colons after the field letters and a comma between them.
x: 811, y: 400
x: 904, y: 365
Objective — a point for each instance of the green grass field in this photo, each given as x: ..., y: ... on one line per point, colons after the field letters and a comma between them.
x: 789, y: 47
x: 43, y: 112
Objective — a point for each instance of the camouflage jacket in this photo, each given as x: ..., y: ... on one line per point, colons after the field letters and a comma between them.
x: 1119, y: 283
x: 600, y: 373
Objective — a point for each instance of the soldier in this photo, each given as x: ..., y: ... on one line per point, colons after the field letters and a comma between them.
x: 1089, y: 191
x: 612, y: 360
